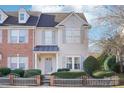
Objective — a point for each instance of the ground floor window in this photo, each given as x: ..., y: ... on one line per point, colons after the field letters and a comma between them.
x: 73, y: 63
x: 18, y: 62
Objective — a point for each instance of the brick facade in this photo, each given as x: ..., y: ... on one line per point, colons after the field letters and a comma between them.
x: 8, y: 49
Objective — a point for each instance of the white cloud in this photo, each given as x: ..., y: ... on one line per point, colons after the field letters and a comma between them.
x: 60, y: 8
x: 46, y: 8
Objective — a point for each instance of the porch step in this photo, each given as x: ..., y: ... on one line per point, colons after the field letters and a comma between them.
x: 46, y: 80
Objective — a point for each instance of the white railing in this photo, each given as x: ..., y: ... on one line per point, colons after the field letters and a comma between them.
x: 24, y: 81
x: 85, y: 81
x: 18, y: 81
x: 5, y: 81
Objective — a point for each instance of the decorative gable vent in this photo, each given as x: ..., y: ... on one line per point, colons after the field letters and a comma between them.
x: 23, y: 16
x: 3, y: 16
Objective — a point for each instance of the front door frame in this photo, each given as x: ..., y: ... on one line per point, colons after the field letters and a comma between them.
x: 47, y: 60
x: 56, y: 60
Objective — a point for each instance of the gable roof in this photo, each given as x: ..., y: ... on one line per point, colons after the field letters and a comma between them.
x: 52, y: 19
x: 38, y: 19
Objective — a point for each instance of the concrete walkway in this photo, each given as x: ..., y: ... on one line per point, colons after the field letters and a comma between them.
x: 10, y: 86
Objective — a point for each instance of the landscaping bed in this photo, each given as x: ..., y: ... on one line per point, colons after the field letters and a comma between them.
x: 20, y: 77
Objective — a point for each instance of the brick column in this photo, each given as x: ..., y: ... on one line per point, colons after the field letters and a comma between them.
x: 52, y: 77
x: 38, y: 80
x: 11, y: 77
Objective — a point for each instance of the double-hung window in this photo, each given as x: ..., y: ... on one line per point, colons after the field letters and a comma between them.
x: 18, y: 62
x: 69, y: 62
x: 22, y: 16
x: 18, y: 36
x: 49, y: 37
x: 73, y: 63
x: 72, y: 35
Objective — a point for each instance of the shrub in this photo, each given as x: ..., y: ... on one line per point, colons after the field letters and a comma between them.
x: 5, y: 71
x: 102, y: 58
x: 90, y: 64
x: 102, y: 74
x: 109, y: 62
x: 69, y: 74
x: 116, y: 68
x: 63, y: 69
x: 32, y: 72
x: 18, y: 72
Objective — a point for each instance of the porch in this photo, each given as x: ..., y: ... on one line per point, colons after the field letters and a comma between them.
x: 46, y: 58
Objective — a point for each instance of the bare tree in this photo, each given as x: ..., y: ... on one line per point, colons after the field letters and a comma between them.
x: 112, y: 41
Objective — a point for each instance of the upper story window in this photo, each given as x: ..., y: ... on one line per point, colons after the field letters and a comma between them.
x: 18, y: 36
x: 0, y: 36
x: 22, y: 16
x: 20, y: 62
x: 72, y: 35
x: 48, y: 37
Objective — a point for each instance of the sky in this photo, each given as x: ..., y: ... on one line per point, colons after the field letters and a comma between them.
x: 94, y: 33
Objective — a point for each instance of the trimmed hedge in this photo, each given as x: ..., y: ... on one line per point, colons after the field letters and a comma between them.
x: 32, y: 72
x: 18, y: 72
x: 90, y: 65
x: 63, y: 69
x: 4, y: 71
x: 69, y: 74
x: 102, y: 74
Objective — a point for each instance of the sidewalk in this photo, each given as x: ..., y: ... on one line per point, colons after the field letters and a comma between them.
x: 10, y: 86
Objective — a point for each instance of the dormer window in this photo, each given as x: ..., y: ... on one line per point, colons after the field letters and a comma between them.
x: 3, y: 16
x: 22, y: 17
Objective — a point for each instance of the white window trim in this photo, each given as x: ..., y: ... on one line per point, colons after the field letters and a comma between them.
x: 17, y: 42
x: 74, y: 62
x: 72, y: 42
x: 44, y: 42
x: 9, y: 63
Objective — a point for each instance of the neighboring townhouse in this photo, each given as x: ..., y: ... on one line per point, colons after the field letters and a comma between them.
x: 46, y: 41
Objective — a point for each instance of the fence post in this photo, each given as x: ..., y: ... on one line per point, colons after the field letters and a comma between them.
x: 52, y: 77
x: 11, y: 77
x: 38, y: 80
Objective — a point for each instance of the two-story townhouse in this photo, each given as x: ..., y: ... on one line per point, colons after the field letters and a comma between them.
x: 46, y: 41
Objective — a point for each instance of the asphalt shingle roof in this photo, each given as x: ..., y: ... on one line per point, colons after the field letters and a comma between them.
x: 38, y: 19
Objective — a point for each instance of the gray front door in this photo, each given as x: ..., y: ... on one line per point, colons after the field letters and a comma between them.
x: 48, y: 65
